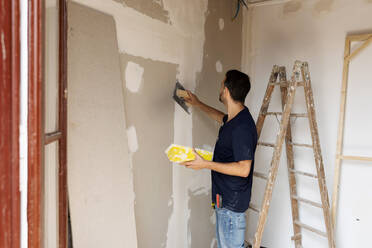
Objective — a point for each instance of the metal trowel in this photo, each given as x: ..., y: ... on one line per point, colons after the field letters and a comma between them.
x: 179, y: 95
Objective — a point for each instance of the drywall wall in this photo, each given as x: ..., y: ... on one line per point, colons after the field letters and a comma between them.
x: 99, y: 177
x: 150, y: 115
x: 314, y: 31
x: 154, y: 9
x: 222, y: 52
x: 159, y: 42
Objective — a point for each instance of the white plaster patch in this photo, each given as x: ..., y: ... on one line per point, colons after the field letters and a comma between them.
x: 159, y: 2
x: 202, y: 191
x: 207, y: 147
x: 221, y: 23
x: 133, y: 77
x: 166, y: 45
x: 214, y: 243
x: 132, y: 139
x: 213, y: 218
x: 219, y: 66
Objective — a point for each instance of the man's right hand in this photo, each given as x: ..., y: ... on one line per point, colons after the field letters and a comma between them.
x: 213, y: 113
x: 192, y: 99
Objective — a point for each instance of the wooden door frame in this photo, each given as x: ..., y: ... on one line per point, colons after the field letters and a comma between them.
x: 62, y: 175
x: 349, y: 55
x: 9, y: 124
x: 36, y: 137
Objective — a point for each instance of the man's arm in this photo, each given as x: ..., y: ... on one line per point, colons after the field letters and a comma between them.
x: 211, y: 112
x: 240, y: 169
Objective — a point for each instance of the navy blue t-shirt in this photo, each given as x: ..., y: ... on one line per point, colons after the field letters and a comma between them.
x: 237, y: 141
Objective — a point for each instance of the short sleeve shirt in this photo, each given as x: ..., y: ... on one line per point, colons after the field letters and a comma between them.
x: 237, y: 141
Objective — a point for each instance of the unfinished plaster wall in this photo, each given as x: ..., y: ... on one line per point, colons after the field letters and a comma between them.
x: 150, y: 115
x: 314, y: 31
x: 222, y: 52
x: 159, y: 42
x: 154, y: 9
x: 99, y: 179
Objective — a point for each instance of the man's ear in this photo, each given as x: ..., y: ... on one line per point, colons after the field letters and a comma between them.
x: 226, y: 92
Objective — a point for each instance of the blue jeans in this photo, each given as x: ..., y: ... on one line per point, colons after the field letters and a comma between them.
x: 230, y: 228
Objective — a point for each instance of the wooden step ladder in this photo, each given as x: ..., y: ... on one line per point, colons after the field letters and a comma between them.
x: 300, y: 77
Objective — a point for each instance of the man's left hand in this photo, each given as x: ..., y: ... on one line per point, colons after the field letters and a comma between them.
x: 197, y: 164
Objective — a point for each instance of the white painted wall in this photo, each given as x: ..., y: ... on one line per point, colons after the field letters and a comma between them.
x: 315, y: 33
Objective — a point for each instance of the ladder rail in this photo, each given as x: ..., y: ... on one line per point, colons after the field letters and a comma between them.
x: 317, y: 154
x: 276, y: 158
x: 291, y: 176
x: 266, y: 100
x: 288, y: 91
x: 303, y: 173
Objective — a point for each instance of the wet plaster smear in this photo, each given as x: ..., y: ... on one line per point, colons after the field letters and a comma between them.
x: 159, y: 42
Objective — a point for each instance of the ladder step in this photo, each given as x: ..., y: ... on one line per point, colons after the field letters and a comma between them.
x: 294, y: 144
x: 304, y: 145
x: 286, y: 84
x: 248, y: 242
x: 266, y: 144
x: 280, y: 84
x: 260, y: 175
x: 254, y: 207
x: 315, y: 204
x: 292, y: 115
x: 296, y: 237
x: 298, y: 223
x: 303, y: 173
x: 356, y: 158
x: 299, y: 115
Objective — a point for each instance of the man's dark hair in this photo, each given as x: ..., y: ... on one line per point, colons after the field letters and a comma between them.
x: 238, y: 84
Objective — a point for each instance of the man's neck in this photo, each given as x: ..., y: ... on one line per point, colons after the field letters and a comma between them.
x: 233, y: 109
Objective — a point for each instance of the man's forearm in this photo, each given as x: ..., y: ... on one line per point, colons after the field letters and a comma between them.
x: 211, y: 112
x: 241, y: 168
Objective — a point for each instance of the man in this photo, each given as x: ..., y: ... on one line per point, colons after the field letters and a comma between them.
x: 233, y: 159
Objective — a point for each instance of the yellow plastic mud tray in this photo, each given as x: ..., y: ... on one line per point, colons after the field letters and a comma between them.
x: 179, y: 154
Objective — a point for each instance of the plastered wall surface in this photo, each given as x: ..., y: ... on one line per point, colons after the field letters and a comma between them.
x: 160, y: 42
x: 154, y: 9
x: 222, y: 52
x: 150, y: 114
x: 314, y: 31
x: 99, y: 179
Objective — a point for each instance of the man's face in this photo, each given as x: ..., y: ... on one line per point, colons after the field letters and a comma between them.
x: 222, y: 92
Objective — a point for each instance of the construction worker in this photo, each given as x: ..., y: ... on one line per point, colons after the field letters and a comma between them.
x: 233, y: 159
